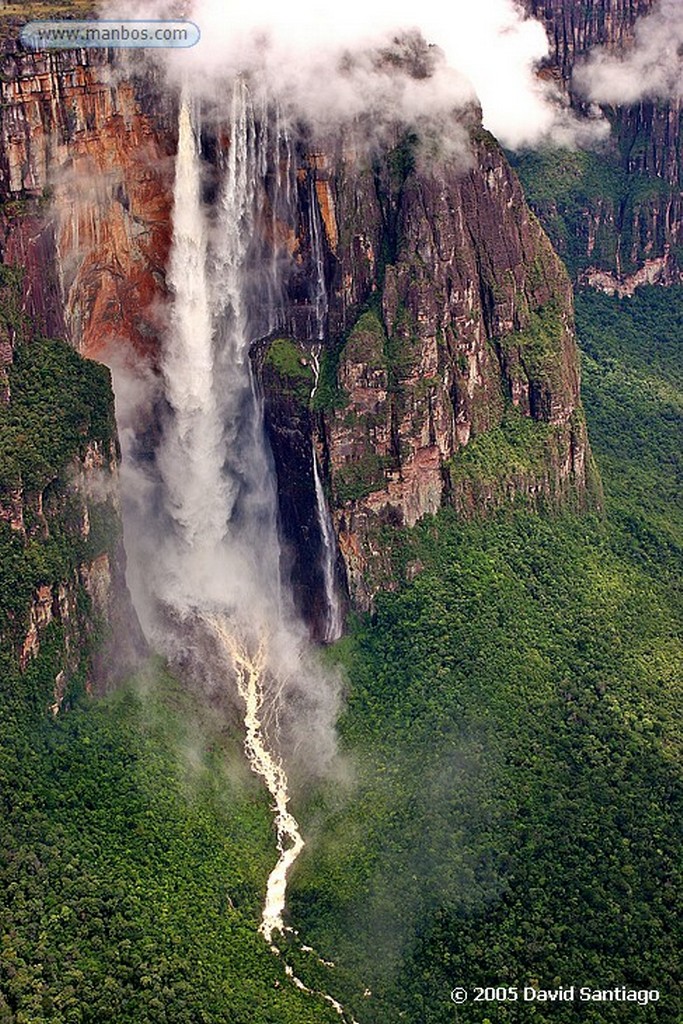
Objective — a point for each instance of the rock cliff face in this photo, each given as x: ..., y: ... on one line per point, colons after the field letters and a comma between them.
x: 450, y: 372
x: 287, y: 378
x: 84, y: 234
x: 86, y: 600
x: 620, y: 222
x: 574, y: 27
x: 448, y: 368
x: 87, y: 175
x: 63, y: 586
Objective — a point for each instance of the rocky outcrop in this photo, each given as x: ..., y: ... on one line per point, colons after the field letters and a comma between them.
x: 287, y: 379
x: 85, y: 173
x: 450, y: 321
x: 625, y: 207
x: 88, y: 602
x: 656, y: 271
x: 88, y: 172
x: 81, y: 592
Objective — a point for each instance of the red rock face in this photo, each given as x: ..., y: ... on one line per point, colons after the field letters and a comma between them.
x: 75, y: 135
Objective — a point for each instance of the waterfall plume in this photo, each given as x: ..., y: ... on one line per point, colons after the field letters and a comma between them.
x: 203, y: 540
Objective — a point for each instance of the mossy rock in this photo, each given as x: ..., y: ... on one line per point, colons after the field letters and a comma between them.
x: 288, y: 362
x: 367, y: 342
x: 540, y: 344
x: 518, y: 446
x: 59, y: 403
x: 358, y: 479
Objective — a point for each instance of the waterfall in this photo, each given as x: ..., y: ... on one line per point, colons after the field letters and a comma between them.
x: 193, y: 437
x: 317, y: 257
x: 334, y: 617
x: 244, y: 299
x: 334, y: 620
x: 222, y: 561
x: 202, y: 513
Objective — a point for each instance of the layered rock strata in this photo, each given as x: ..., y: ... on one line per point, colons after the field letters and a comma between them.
x: 624, y: 212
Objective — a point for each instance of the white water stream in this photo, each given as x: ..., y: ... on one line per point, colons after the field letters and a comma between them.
x: 334, y: 616
x: 334, y: 619
x: 251, y: 673
x: 219, y: 559
x: 315, y: 231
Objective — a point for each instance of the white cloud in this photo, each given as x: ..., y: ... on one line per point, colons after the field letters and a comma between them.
x: 652, y: 69
x: 491, y: 49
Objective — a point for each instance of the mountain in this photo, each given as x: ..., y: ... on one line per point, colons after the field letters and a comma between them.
x: 449, y: 370
x: 349, y: 447
x: 616, y: 214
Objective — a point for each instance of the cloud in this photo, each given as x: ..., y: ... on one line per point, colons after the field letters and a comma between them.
x: 652, y: 69
x: 301, y: 53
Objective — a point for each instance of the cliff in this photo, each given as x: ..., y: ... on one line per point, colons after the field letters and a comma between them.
x: 451, y: 371
x: 63, y: 586
x: 448, y: 369
x: 573, y: 28
x: 85, y: 172
x: 616, y: 215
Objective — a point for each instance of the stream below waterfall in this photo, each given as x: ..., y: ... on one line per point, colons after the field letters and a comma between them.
x: 212, y: 558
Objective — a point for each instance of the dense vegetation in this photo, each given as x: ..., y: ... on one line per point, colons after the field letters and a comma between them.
x: 566, y: 188
x: 132, y: 866
x: 517, y: 447
x: 60, y: 405
x: 514, y: 721
x: 512, y: 728
x: 633, y: 393
x: 288, y: 362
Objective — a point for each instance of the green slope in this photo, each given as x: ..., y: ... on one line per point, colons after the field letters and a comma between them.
x: 513, y: 729
x: 514, y: 719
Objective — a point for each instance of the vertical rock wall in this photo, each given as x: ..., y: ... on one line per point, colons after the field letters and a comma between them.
x: 626, y: 206
x: 86, y: 176
x: 450, y: 320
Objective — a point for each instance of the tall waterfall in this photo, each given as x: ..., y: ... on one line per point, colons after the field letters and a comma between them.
x: 334, y: 616
x: 222, y: 560
x: 194, y: 436
x: 218, y: 488
x: 201, y: 509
